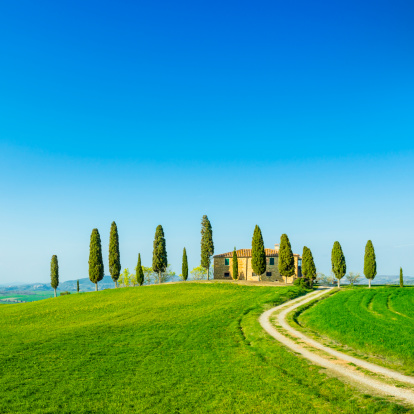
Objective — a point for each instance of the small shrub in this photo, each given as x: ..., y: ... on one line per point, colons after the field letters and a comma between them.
x: 64, y: 293
x: 302, y: 282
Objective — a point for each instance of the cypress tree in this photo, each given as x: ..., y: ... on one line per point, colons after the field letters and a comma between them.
x: 370, y: 263
x: 286, y: 259
x: 96, y: 266
x: 207, y: 245
x: 139, y: 272
x: 184, y: 268
x: 159, y: 254
x: 258, y: 252
x: 114, y: 257
x: 77, y: 286
x: 308, y: 265
x: 54, y: 273
x: 304, y: 261
x: 338, y: 262
x: 235, y: 274
x: 401, y: 278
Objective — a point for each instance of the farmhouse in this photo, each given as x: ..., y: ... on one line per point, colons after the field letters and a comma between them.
x: 223, y: 266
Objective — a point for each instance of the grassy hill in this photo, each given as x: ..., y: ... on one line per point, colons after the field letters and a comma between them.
x: 378, y: 322
x: 183, y: 348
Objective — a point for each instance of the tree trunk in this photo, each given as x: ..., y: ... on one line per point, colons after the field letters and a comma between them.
x: 369, y: 281
x: 116, y: 284
x: 55, y: 291
x: 96, y: 287
x: 159, y: 277
x: 208, y: 272
x: 339, y: 283
x: 286, y: 279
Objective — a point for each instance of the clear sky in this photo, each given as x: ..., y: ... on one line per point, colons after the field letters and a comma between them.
x: 297, y: 116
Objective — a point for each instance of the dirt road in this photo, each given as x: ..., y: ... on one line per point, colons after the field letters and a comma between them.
x: 336, y: 362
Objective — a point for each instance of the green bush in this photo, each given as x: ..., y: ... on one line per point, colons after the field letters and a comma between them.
x: 302, y: 282
x: 64, y: 293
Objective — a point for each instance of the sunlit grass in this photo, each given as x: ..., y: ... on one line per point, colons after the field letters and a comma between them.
x: 184, y: 348
x: 377, y: 321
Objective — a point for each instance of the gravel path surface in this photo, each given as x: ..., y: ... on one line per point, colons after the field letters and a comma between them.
x: 340, y: 364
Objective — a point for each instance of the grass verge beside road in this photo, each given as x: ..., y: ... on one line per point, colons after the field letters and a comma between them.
x: 375, y: 324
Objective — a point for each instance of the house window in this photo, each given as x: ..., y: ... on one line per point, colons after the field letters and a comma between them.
x: 268, y: 274
x: 226, y: 262
x: 272, y: 261
x: 299, y: 262
x: 227, y: 274
x: 253, y: 274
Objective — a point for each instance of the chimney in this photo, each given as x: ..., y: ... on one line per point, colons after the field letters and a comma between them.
x: 277, y: 247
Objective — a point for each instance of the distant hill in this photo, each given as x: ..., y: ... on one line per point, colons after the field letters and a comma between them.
x: 390, y: 280
x: 383, y: 280
x: 85, y: 285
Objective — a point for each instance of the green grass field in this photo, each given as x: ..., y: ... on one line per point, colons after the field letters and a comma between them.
x: 182, y: 348
x: 378, y: 322
x: 27, y: 297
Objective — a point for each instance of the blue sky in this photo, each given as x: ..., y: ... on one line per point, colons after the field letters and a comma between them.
x: 297, y: 116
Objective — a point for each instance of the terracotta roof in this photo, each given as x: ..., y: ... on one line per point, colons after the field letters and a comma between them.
x: 248, y: 253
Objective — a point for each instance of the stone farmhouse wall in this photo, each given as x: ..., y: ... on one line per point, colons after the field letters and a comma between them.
x: 246, y: 272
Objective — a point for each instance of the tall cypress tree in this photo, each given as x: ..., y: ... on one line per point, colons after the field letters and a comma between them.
x: 207, y: 245
x: 139, y: 272
x: 304, y: 261
x: 96, y: 266
x: 184, y: 268
x: 114, y: 257
x: 235, y: 264
x: 258, y: 252
x: 54, y: 273
x: 401, y: 278
x: 308, y: 265
x: 370, y: 262
x: 77, y: 286
x: 159, y: 254
x: 338, y: 262
x: 286, y: 259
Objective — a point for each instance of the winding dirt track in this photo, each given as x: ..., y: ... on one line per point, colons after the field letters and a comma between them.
x: 338, y: 365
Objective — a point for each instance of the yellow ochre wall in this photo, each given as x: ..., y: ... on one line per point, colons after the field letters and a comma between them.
x: 245, y: 268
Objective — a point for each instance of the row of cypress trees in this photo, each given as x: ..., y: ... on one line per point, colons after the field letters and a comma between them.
x: 339, y: 263
x: 207, y: 249
x: 96, y: 267
x: 370, y: 263
x: 159, y: 257
x: 286, y: 262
